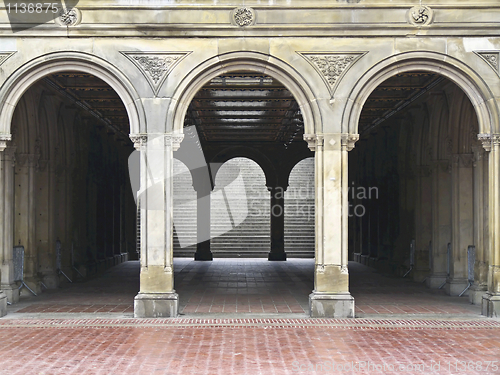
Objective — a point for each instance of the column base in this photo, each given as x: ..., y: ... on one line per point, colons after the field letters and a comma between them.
x: 454, y: 287
x: 325, y: 305
x: 490, y: 306
x: 156, y: 305
x: 276, y: 256
x: 203, y: 256
x: 476, y: 293
x: 34, y: 284
x: 435, y: 281
x: 3, y: 304
x: 50, y: 280
x: 12, y: 292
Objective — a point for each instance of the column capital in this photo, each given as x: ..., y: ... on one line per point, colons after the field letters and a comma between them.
x: 139, y: 140
x: 171, y: 139
x: 4, y: 139
x: 349, y: 140
x: 174, y: 140
x: 489, y: 140
x: 314, y: 141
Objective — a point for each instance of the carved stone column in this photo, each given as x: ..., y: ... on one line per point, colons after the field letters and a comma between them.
x: 441, y: 222
x: 25, y: 222
x: 331, y: 297
x: 491, y: 299
x: 8, y: 289
x: 8, y: 285
x: 277, y: 223
x: 157, y: 297
x: 462, y: 221
x: 423, y: 222
x: 480, y: 285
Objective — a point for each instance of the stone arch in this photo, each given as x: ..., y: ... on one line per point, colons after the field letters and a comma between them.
x: 463, y: 76
x: 250, y: 61
x: 26, y: 75
x: 245, y: 152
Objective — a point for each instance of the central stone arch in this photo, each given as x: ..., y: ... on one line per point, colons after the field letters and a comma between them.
x: 251, y: 61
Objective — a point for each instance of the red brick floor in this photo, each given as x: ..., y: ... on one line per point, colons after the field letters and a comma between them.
x: 249, y: 286
x: 248, y: 346
x: 87, y: 327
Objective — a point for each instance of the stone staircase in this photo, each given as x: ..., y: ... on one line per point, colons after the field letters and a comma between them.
x: 240, y: 211
x: 299, y: 211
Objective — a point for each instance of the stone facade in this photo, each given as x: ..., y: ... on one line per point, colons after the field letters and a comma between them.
x: 330, y: 55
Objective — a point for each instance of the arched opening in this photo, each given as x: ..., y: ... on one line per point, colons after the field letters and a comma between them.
x: 68, y: 202
x: 417, y: 187
x: 299, y: 210
x: 240, y: 224
x: 249, y: 129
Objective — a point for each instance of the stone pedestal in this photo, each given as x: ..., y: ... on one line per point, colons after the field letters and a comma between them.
x: 435, y: 281
x: 326, y: 305
x: 156, y: 305
x: 3, y: 304
x: 476, y: 293
x: 490, y: 305
x: 12, y: 292
x: 456, y: 286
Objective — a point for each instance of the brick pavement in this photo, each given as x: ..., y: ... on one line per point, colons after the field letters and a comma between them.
x: 87, y: 328
x: 248, y: 346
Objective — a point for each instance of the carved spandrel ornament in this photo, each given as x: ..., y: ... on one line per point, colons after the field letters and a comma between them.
x: 332, y: 66
x: 155, y: 66
x: 420, y: 15
x: 243, y: 16
x: 4, y: 56
x: 492, y: 59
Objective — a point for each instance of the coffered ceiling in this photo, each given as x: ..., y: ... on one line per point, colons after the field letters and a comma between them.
x: 243, y: 106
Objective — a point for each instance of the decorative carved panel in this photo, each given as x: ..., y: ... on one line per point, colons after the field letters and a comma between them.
x: 332, y: 66
x: 491, y: 58
x: 155, y: 66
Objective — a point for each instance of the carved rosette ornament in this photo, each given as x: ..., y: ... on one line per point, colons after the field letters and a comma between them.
x: 420, y: 15
x: 332, y: 66
x: 244, y: 16
x: 69, y: 17
x: 492, y: 58
x: 155, y: 66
